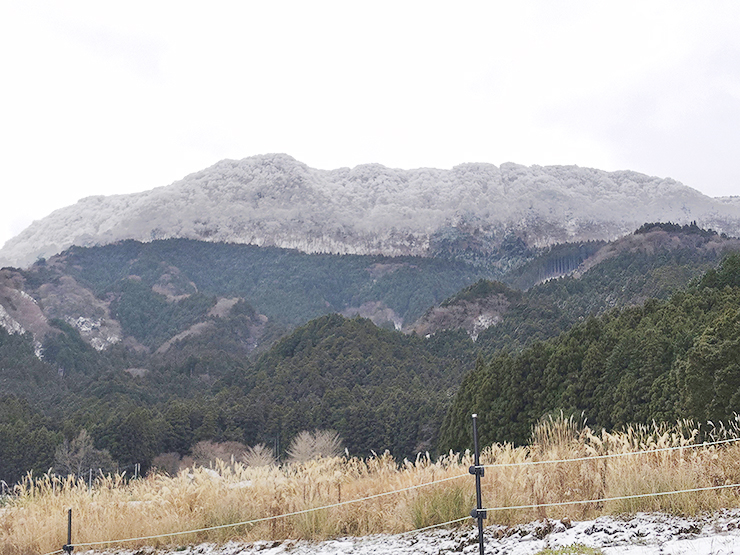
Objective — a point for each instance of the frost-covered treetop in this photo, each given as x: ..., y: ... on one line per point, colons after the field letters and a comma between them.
x: 276, y: 200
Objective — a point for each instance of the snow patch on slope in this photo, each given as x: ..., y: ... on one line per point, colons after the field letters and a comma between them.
x: 9, y: 324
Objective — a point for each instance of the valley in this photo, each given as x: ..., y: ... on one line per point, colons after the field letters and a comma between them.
x: 154, y: 347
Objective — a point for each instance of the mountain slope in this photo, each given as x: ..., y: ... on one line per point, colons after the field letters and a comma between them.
x: 654, y: 262
x: 160, y: 295
x: 371, y: 209
x: 378, y: 388
x: 662, y: 361
x: 190, y: 314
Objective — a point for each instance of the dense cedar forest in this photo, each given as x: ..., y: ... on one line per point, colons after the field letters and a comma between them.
x: 643, y: 329
x: 286, y: 285
x: 664, y: 361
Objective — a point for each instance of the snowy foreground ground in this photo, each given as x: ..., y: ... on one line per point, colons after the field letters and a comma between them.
x: 643, y: 534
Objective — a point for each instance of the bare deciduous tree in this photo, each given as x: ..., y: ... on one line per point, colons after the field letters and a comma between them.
x: 169, y: 463
x: 79, y: 456
x: 206, y: 453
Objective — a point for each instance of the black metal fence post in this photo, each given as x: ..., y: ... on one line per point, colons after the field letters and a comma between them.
x: 478, y: 471
x: 69, y: 548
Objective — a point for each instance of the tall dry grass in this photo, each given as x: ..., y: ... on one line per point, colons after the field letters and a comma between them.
x: 34, y: 519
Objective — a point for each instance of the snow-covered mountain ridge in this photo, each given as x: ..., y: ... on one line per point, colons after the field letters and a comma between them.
x: 370, y: 209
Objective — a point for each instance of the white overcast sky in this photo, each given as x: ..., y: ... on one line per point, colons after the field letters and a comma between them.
x: 116, y: 97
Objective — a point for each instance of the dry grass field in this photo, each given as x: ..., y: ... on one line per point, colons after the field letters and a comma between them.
x: 426, y: 491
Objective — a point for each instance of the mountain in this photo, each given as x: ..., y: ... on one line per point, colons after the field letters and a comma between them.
x: 164, y: 295
x: 565, y: 283
x: 663, y: 361
x: 378, y: 388
x: 474, y: 309
x: 468, y: 211
x: 154, y: 347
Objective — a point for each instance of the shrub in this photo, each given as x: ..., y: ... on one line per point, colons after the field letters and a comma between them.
x: 259, y: 455
x: 307, y: 446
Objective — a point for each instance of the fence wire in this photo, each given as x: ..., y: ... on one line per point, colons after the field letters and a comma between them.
x: 611, y: 455
x: 617, y: 498
x: 450, y: 478
x: 275, y: 517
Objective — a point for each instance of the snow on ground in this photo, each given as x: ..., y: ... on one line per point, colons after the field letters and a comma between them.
x: 643, y: 534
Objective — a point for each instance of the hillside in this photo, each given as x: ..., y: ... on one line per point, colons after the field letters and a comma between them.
x: 468, y: 212
x: 567, y: 283
x: 132, y: 342
x: 378, y: 388
x: 154, y: 347
x: 162, y: 296
x: 150, y: 297
x: 665, y: 360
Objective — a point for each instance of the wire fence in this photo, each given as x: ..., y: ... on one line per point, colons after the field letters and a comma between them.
x: 276, y: 517
x: 86, y: 475
x: 539, y: 505
x: 417, y: 530
x: 616, y: 498
x: 613, y: 455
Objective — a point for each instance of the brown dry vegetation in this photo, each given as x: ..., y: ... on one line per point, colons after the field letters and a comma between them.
x: 34, y: 520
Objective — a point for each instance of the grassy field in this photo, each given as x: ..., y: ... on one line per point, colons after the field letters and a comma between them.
x: 427, y: 492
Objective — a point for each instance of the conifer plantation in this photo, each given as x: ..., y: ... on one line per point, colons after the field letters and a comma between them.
x: 663, y: 361
x: 224, y: 355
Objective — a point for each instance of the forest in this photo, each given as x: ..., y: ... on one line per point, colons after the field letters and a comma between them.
x: 649, y: 332
x: 663, y: 361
